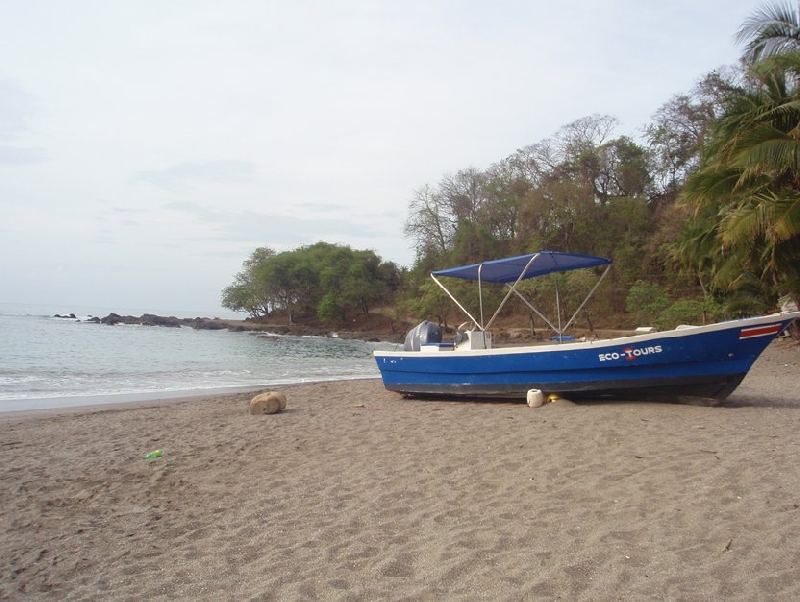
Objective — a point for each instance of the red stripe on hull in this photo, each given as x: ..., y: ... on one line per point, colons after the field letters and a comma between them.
x: 760, y: 331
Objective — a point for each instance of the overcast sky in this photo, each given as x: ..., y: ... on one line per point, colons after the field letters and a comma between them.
x: 147, y: 147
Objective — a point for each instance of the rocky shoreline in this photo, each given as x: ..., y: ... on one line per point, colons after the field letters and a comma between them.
x: 203, y: 323
x: 376, y: 328
x: 153, y: 320
x: 376, y: 331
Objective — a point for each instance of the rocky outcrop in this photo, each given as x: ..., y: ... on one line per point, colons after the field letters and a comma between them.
x: 208, y: 324
x: 167, y: 321
x: 200, y: 323
x: 143, y: 320
x: 269, y: 402
x: 154, y: 320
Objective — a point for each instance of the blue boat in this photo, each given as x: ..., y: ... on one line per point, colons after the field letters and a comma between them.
x: 697, y: 361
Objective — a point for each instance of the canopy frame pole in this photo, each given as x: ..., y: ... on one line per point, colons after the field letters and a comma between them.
x: 533, y: 309
x: 512, y: 289
x: 454, y: 300
x: 589, y: 296
x: 480, y: 295
x: 559, y: 332
x: 577, y: 311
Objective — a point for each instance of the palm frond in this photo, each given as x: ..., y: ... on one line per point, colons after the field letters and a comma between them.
x: 786, y: 219
x: 770, y: 30
x: 741, y: 226
x: 772, y: 156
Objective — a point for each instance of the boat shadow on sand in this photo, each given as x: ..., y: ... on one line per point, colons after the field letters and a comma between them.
x: 739, y: 399
x: 755, y: 400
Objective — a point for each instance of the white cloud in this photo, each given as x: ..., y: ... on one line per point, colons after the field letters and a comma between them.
x: 197, y: 174
x: 16, y: 108
x: 147, y: 148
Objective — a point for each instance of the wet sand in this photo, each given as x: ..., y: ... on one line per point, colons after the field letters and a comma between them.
x: 354, y: 493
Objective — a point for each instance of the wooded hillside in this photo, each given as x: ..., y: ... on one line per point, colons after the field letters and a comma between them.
x: 701, y: 214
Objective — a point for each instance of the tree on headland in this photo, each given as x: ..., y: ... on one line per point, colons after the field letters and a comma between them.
x: 325, y: 281
x: 247, y: 293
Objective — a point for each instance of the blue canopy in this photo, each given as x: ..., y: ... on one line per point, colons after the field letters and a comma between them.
x: 509, y: 270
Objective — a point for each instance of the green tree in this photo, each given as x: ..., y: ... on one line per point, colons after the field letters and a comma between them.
x: 646, y: 301
x: 248, y: 293
x: 323, y: 280
x: 240, y: 297
x: 330, y: 308
x: 746, y: 194
x: 292, y: 282
x: 364, y: 281
x: 681, y: 126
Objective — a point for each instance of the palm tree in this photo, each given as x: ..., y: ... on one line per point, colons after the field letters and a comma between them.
x: 746, y: 193
x: 770, y: 31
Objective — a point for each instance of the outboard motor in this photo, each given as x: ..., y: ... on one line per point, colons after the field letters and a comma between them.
x: 422, y: 334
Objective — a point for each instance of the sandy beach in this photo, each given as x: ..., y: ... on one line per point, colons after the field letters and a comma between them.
x: 354, y: 493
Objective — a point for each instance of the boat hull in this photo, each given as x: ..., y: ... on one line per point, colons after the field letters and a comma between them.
x: 708, y: 361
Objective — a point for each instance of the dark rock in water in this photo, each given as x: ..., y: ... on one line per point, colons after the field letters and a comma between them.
x: 207, y: 324
x: 200, y: 323
x: 70, y: 316
x: 167, y: 321
x: 112, y: 319
x: 144, y: 320
x: 154, y: 320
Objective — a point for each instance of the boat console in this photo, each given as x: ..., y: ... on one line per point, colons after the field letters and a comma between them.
x: 473, y: 339
x: 427, y: 337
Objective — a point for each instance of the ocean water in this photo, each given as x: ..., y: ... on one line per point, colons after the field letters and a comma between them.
x: 49, y: 362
